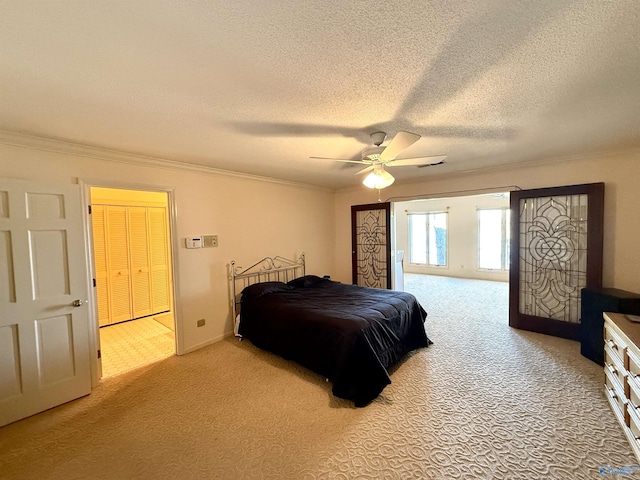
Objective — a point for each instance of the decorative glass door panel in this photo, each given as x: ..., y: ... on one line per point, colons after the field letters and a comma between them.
x: 371, y: 246
x: 553, y: 256
x: 558, y: 252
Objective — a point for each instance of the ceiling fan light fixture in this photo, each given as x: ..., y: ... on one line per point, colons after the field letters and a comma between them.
x: 379, y: 178
x: 372, y: 153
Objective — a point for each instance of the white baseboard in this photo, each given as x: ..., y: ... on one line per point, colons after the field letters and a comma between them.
x: 198, y: 346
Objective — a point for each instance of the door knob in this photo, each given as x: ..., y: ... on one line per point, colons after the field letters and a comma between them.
x: 77, y: 303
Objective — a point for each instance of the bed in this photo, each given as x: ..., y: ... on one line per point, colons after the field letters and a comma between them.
x: 351, y: 335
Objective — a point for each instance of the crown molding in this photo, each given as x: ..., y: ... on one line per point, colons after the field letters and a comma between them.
x: 596, y: 155
x: 99, y: 153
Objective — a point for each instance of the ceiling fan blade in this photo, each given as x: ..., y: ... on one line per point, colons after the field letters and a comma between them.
x: 370, y: 167
x: 404, y: 162
x: 340, y: 160
x: 401, y: 141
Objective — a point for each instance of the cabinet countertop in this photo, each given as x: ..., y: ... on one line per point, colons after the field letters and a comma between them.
x: 629, y: 328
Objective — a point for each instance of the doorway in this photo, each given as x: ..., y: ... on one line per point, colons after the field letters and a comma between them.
x: 464, y: 237
x: 446, y: 246
x: 131, y: 246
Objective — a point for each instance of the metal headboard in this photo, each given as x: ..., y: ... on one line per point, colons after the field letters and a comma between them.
x: 269, y: 269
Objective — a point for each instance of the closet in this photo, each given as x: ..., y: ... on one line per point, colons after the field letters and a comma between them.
x: 131, y: 254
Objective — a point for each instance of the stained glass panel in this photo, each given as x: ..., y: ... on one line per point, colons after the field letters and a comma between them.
x: 371, y: 245
x: 553, y: 256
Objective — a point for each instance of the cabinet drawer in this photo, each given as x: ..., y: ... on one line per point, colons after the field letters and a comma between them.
x: 614, y: 365
x: 634, y: 365
x: 634, y: 396
x: 634, y: 426
x: 614, y: 342
x: 615, y: 395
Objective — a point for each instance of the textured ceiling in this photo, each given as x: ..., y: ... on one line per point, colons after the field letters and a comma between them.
x: 260, y: 86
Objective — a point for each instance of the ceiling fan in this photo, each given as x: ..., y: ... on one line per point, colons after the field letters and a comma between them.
x: 377, y: 157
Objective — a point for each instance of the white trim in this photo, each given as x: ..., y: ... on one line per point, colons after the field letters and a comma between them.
x: 393, y: 246
x: 177, y: 306
x: 86, y: 184
x: 519, y: 165
x: 89, y: 151
x: 92, y: 308
x: 599, y: 155
x: 211, y: 341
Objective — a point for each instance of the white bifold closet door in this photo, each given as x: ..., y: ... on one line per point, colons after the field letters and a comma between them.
x: 131, y: 261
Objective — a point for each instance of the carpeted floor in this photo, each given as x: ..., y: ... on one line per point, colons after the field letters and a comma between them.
x: 484, y: 402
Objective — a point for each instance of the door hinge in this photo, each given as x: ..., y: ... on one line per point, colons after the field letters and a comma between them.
x: 99, y: 354
x: 89, y: 209
x: 94, y: 282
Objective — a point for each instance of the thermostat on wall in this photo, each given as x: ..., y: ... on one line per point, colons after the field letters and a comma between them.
x: 193, y: 242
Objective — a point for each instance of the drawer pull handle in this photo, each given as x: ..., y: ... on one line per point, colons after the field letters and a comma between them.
x: 612, y: 369
x: 612, y: 344
x: 612, y: 394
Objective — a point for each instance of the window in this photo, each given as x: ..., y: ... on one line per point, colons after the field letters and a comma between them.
x: 493, y: 238
x: 428, y: 239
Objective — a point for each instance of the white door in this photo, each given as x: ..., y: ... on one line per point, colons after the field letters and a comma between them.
x: 44, y: 334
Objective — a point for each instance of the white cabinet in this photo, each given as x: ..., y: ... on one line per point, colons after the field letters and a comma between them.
x: 622, y: 374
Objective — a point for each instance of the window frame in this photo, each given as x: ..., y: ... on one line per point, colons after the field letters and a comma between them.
x: 505, y: 240
x: 427, y: 238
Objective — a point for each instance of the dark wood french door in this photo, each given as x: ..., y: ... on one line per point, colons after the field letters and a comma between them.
x: 371, y: 245
x: 556, y: 251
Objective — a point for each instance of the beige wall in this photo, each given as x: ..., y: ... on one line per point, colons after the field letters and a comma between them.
x: 462, y: 234
x: 252, y: 219
x: 619, y: 171
x: 255, y: 218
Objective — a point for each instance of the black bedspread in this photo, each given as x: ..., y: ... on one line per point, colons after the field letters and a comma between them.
x: 348, y: 334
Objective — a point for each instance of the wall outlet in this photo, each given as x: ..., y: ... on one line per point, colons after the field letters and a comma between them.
x: 209, y: 241
x: 200, y: 322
